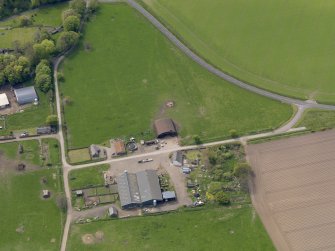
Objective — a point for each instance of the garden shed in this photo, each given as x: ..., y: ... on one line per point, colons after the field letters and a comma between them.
x: 177, y: 158
x: 25, y: 95
x: 165, y: 127
x: 120, y: 148
x: 43, y: 130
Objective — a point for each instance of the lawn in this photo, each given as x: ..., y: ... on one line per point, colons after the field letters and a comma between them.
x: 27, y: 221
x: 317, y: 119
x: 284, y: 46
x: 125, y: 70
x: 31, y: 151
x: 31, y: 117
x: 79, y: 155
x: 53, y: 147
x: 205, y: 229
x: 24, y: 35
x: 91, y: 176
x: 48, y: 16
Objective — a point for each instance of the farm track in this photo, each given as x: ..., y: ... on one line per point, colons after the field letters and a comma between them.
x: 169, y: 35
x: 300, y: 103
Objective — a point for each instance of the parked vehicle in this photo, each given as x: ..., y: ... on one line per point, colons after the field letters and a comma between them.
x: 145, y: 160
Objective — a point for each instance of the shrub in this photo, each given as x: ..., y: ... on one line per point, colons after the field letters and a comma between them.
x: 24, y: 21
x: 222, y: 198
x: 233, y: 133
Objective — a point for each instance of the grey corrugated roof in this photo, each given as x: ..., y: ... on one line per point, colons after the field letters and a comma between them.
x: 128, y: 189
x: 169, y: 195
x: 138, y: 188
x: 178, y: 156
x: 148, y: 185
x: 25, y: 95
x: 43, y: 130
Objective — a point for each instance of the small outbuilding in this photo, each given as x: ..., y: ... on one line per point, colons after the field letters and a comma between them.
x: 112, y: 212
x: 95, y: 151
x: 177, y: 159
x: 3, y: 101
x: 43, y: 130
x: 165, y: 127
x: 120, y: 148
x: 46, y: 194
x: 169, y: 195
x: 26, y: 95
x: 79, y: 193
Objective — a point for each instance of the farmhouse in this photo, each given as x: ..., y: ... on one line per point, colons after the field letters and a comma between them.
x: 94, y: 151
x: 3, y: 101
x: 25, y: 95
x: 120, y: 148
x: 139, y: 189
x: 165, y: 127
x: 177, y: 158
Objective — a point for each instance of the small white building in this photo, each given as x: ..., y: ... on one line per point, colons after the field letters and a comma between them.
x: 3, y: 101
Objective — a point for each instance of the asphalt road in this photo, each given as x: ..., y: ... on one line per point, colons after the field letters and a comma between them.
x: 67, y: 167
x: 218, y: 72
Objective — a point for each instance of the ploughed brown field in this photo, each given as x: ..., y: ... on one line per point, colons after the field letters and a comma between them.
x: 294, y: 190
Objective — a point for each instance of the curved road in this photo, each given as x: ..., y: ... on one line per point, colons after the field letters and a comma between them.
x: 218, y: 72
x: 66, y: 167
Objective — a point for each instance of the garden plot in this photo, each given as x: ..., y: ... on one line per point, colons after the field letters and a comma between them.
x: 293, y: 190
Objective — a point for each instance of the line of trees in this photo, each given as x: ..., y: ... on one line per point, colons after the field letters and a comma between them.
x: 33, y: 58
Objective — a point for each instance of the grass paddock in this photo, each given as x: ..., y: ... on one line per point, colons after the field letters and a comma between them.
x: 124, y: 72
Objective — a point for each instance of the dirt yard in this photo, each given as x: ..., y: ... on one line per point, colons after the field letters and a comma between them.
x: 13, y: 107
x: 294, y: 190
x: 162, y: 164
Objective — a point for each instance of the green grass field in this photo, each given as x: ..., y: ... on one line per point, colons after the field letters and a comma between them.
x: 31, y: 117
x: 49, y: 16
x: 207, y: 229
x: 31, y: 151
x: 317, y: 119
x: 22, y: 206
x: 120, y: 85
x: 53, y: 151
x: 27, y: 221
x: 284, y: 46
x: 91, y: 176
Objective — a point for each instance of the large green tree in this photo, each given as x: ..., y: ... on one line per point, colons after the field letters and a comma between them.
x: 78, y: 5
x: 45, y: 49
x: 66, y: 40
x: 71, y: 23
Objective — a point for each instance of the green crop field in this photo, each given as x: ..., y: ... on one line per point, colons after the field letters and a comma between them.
x: 284, y: 46
x: 29, y: 222
x: 125, y: 70
x: 208, y: 229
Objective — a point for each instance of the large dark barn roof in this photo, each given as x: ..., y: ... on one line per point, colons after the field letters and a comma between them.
x: 165, y: 127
